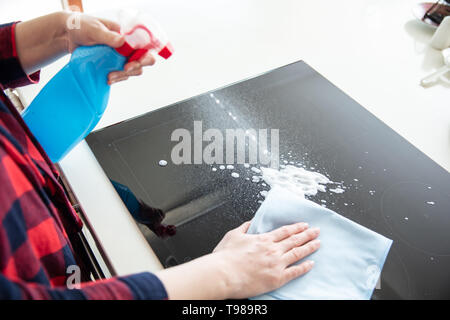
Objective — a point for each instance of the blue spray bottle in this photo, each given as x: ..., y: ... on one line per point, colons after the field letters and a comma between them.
x: 68, y: 108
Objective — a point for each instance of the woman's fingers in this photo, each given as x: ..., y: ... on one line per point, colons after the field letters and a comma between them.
x: 133, y: 65
x: 297, y: 270
x: 244, y: 227
x: 111, y: 25
x: 110, y: 33
x: 299, y: 239
x: 133, y: 68
x: 101, y: 34
x: 134, y: 72
x: 118, y: 80
x: 147, y: 60
x: 117, y: 76
x: 298, y: 253
x: 287, y: 231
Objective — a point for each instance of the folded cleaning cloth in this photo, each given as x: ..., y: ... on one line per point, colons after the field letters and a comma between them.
x: 350, y: 258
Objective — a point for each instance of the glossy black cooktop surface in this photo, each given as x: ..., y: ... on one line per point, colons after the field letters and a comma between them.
x: 392, y: 187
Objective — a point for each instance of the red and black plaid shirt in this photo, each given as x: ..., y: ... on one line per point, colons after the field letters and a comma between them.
x: 35, y: 214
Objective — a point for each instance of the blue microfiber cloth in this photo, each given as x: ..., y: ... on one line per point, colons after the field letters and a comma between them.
x: 349, y: 261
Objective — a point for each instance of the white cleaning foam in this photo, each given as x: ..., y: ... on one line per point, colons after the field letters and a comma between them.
x: 337, y: 190
x: 297, y: 180
x: 256, y: 170
x: 255, y: 179
x: 162, y: 163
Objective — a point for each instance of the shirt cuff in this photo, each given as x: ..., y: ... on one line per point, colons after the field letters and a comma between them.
x: 12, y: 74
x: 145, y: 286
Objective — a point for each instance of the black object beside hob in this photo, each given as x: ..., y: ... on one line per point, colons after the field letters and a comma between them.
x: 392, y: 187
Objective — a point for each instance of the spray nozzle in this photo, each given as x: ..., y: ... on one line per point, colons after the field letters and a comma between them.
x: 139, y: 40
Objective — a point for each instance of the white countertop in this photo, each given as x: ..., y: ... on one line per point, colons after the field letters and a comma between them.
x: 373, y: 50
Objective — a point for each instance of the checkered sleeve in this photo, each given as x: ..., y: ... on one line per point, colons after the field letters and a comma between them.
x: 141, y: 286
x: 12, y: 74
x: 34, y: 249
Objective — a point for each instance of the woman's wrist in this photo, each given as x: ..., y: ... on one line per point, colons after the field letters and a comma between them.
x: 41, y: 41
x: 62, y: 35
x: 207, y: 277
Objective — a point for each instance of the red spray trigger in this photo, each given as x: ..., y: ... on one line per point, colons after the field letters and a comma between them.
x: 139, y: 40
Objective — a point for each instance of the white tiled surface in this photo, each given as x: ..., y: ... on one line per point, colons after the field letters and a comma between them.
x: 371, y: 49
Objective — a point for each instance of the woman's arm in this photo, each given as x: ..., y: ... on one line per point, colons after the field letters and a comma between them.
x: 43, y: 40
x: 244, y: 265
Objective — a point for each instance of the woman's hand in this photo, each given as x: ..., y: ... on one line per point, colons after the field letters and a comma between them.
x: 88, y: 31
x: 259, y: 263
x: 244, y: 265
x: 43, y: 40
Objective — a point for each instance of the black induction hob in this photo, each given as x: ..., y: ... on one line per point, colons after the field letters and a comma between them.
x: 392, y: 187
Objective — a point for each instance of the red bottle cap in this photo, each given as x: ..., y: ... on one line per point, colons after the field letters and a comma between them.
x: 138, y: 50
